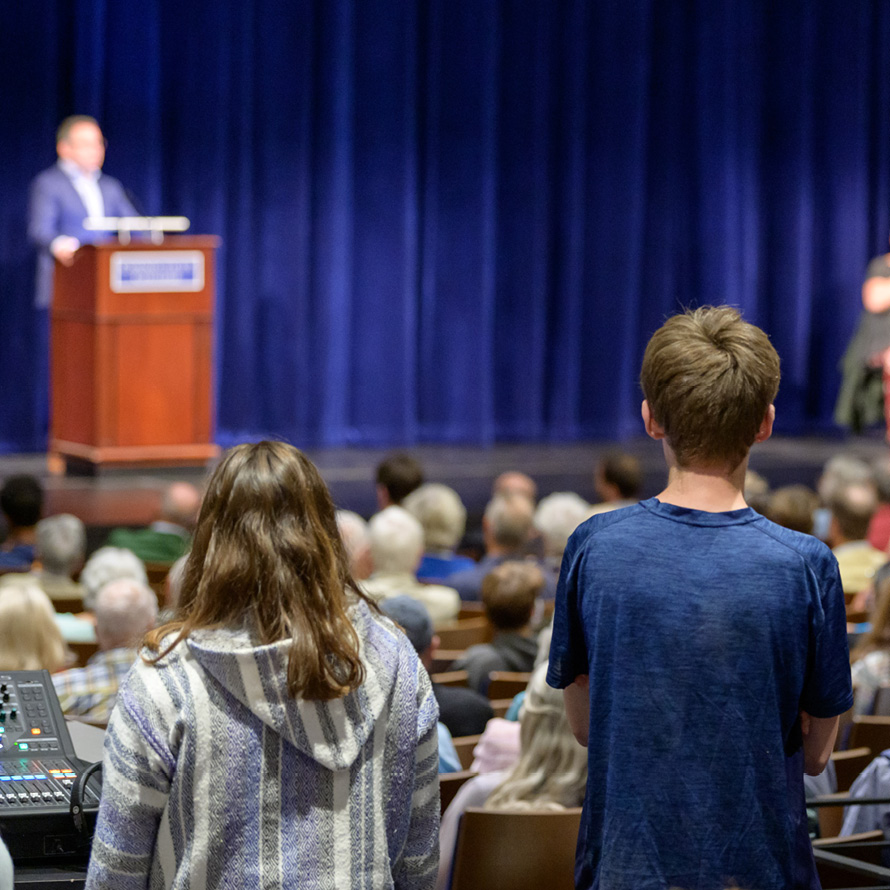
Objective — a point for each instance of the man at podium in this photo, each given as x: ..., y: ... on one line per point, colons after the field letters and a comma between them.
x: 68, y: 192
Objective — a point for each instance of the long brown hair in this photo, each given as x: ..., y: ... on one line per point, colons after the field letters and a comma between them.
x: 267, y: 556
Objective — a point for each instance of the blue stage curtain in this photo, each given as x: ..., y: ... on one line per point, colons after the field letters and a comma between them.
x: 460, y: 220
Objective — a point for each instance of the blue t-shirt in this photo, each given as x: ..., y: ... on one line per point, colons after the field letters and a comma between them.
x: 704, y: 635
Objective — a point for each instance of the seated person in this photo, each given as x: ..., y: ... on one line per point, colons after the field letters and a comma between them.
x: 354, y: 531
x: 551, y: 772
x: 169, y: 537
x: 871, y: 657
x: 838, y: 471
x: 125, y: 611
x: 556, y: 517
x: 29, y: 638
x: 105, y: 565
x: 60, y: 547
x: 506, y: 530
x: 461, y: 710
x: 21, y: 500
x: 617, y: 480
x: 398, y: 474
x: 443, y: 516
x: 879, y: 527
x: 509, y: 593
x: 793, y: 506
x: 414, y: 620
x: 852, y: 507
x: 514, y: 482
x: 396, y: 540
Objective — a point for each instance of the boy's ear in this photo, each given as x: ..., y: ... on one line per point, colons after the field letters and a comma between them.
x: 766, y: 426
x: 653, y: 427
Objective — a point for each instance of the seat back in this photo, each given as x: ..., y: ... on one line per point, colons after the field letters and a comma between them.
x: 451, y: 678
x: 465, y: 745
x: 516, y: 849
x: 506, y: 684
x: 881, y: 705
x: 83, y: 652
x: 450, y: 784
x: 870, y: 732
x: 848, y: 764
x: 465, y: 633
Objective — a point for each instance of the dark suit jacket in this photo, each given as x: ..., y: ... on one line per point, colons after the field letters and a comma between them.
x: 55, y: 209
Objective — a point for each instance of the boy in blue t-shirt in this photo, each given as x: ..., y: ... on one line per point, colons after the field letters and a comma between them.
x: 702, y: 648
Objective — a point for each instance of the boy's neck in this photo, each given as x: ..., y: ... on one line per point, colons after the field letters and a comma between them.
x: 713, y: 490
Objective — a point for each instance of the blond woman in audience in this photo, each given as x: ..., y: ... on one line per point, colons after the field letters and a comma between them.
x: 551, y: 772
x: 29, y: 637
x: 871, y: 657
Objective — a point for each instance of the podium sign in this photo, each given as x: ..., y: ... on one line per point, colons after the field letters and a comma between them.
x: 131, y: 353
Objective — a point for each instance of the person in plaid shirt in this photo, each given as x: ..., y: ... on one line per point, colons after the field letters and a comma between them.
x: 125, y: 611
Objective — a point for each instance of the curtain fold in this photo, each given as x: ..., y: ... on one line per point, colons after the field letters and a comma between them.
x: 461, y: 221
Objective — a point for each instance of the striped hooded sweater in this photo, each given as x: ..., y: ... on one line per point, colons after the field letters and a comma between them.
x: 215, y: 778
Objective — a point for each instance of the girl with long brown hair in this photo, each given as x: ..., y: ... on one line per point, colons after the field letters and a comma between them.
x: 279, y: 731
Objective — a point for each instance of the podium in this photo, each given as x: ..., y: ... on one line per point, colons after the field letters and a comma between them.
x: 132, y: 354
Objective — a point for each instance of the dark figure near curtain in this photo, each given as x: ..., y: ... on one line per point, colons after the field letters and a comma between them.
x: 862, y: 400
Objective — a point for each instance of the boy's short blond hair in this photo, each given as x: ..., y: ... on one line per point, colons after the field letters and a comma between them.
x: 709, y: 379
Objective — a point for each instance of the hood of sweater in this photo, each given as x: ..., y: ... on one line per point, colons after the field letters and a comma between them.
x: 330, y: 732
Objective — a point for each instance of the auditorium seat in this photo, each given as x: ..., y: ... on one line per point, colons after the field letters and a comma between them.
x: 450, y: 784
x: 68, y: 604
x: 848, y: 764
x: 830, y: 818
x: 465, y: 633
x: 870, y: 732
x: 881, y: 706
x: 869, y: 851
x: 465, y: 745
x: 516, y: 849
x: 500, y: 706
x: 444, y: 658
x: 507, y: 684
x: 451, y: 678
x: 83, y: 652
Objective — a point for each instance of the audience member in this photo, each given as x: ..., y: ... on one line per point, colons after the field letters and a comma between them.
x: 443, y: 517
x: 556, y: 517
x: 61, y: 543
x: 414, y: 620
x: 551, y: 772
x: 173, y: 590
x: 513, y: 482
x: 839, y: 470
x: 107, y: 564
x: 871, y: 657
x: 125, y: 611
x: 463, y: 711
x: 852, y: 507
x: 506, y: 527
x: 617, y: 481
x: 169, y: 537
x: 396, y: 540
x: 509, y: 592
x: 354, y: 532
x: 756, y: 491
x: 398, y: 474
x: 276, y: 667
x: 21, y: 500
x: 702, y: 648
x: 879, y: 527
x: 29, y: 638
x: 792, y: 506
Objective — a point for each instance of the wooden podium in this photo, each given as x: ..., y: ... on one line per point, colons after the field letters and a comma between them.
x: 131, y: 354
